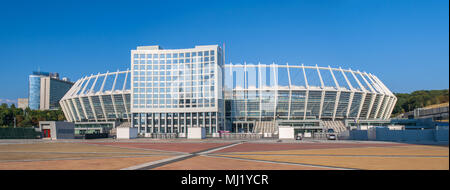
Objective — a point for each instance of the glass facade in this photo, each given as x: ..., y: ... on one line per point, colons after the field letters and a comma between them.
x: 173, y: 85
x: 262, y: 93
x: 34, y: 94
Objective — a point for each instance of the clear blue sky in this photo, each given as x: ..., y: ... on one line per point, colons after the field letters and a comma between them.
x: 404, y: 42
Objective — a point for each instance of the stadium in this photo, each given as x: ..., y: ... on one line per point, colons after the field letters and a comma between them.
x: 168, y: 91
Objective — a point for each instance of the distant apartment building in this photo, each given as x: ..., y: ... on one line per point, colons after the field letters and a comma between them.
x: 46, y: 89
x: 22, y: 103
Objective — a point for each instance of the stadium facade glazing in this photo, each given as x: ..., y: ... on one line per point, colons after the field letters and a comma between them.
x: 169, y: 91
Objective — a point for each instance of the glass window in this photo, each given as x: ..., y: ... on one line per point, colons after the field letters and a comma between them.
x: 194, y: 54
x: 200, y: 53
x: 161, y: 56
x: 168, y: 55
x: 188, y: 54
x: 212, y: 52
x: 149, y: 55
x: 175, y: 55
x: 181, y: 55
x: 135, y: 55
x: 206, y: 53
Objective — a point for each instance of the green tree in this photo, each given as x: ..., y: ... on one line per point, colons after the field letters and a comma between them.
x: 418, y: 99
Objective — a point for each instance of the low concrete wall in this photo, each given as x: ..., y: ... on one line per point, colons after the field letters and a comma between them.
x: 404, y: 135
x: 384, y: 134
x: 441, y: 134
x: 358, y: 135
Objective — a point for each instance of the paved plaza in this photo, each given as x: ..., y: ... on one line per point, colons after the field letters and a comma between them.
x: 214, y: 154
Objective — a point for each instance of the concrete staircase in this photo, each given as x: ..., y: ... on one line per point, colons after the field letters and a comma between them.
x: 266, y: 127
x: 337, y: 126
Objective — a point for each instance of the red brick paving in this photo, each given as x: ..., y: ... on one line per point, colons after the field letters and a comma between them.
x: 254, y: 147
x: 178, y: 147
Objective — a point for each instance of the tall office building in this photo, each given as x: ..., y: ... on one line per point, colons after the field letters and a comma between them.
x: 175, y: 89
x: 46, y: 89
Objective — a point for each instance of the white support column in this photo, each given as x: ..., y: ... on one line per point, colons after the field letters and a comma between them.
x: 346, y: 79
x: 90, y: 99
x: 391, y: 108
x: 372, y: 82
x: 245, y: 91
x: 307, y: 92
x: 76, y: 108
x: 373, y: 98
x: 336, y: 102
x: 388, y: 106
x: 352, y: 94
x: 70, y: 93
x: 81, y: 100
x: 260, y: 91
x: 381, y: 91
x: 290, y: 91
x: 73, y: 90
x: 382, y: 85
x: 124, y: 98
x: 322, y: 98
x: 338, y: 93
x: 68, y: 114
x: 357, y: 81
x: 275, y: 77
x: 101, y: 98
x: 350, y: 102
x: 363, y: 98
x: 364, y: 95
x: 65, y: 111
x: 112, y: 96
x: 368, y: 84
x: 380, y: 102
x: 83, y: 108
x: 372, y: 101
x: 71, y: 110
x: 383, y: 109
